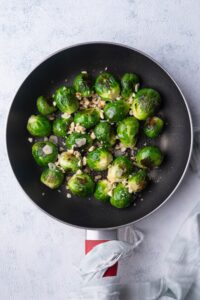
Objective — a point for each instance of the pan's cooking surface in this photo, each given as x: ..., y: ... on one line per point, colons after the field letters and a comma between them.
x: 175, y: 142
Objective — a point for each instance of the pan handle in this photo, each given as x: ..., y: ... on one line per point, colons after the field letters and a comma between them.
x: 94, y: 238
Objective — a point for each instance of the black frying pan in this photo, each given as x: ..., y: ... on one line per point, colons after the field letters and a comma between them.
x: 175, y: 142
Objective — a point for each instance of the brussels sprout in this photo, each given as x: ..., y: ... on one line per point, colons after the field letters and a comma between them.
x: 121, y: 198
x: 105, y: 134
x: 87, y: 118
x: 82, y: 85
x: 128, y: 83
x: 60, y: 126
x: 69, y: 161
x: 146, y: 103
x: 107, y: 87
x: 138, y: 181
x: 81, y: 185
x: 116, y: 111
x: 44, y: 153
x: 127, y: 130
x: 38, y: 126
x: 99, y: 159
x: 153, y: 127
x: 78, y: 140
x: 102, y: 189
x: 66, y: 100
x: 149, y: 157
x: 44, y: 107
x: 52, y: 177
x: 120, y: 169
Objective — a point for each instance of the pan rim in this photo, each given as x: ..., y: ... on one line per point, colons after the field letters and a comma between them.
x: 188, y: 112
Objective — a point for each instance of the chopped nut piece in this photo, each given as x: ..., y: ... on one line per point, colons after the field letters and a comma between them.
x: 79, y: 172
x: 51, y: 117
x: 84, y: 161
x: 46, y: 139
x: 53, y: 139
x: 93, y: 136
x: 30, y: 139
x: 91, y: 149
x: 54, y: 103
x: 97, y: 177
x: 69, y: 195
x: 80, y: 142
x: 51, y: 166
x: 65, y: 116
x: 47, y: 149
x: 101, y: 114
x: 84, y: 72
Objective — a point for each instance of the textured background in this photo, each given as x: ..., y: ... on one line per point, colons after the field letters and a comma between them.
x: 38, y: 255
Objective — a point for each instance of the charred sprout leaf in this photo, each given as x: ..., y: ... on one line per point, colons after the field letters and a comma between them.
x: 44, y: 153
x: 138, y: 181
x: 116, y: 111
x: 78, y: 140
x: 149, y: 157
x: 66, y: 100
x: 105, y: 134
x: 83, y: 85
x: 107, y: 87
x: 60, y: 126
x: 87, y: 118
x: 120, y: 169
x: 38, y: 126
x: 81, y: 185
x: 128, y: 83
x: 153, y: 127
x: 44, y: 107
x: 102, y: 189
x: 127, y: 131
x: 99, y: 159
x: 52, y: 177
x: 121, y: 198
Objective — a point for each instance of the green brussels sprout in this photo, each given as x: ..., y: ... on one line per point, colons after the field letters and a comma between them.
x: 66, y: 100
x: 116, y: 111
x: 153, y: 127
x: 44, y: 153
x: 81, y: 185
x: 121, y: 198
x: 128, y: 83
x: 107, y: 87
x: 87, y: 118
x: 44, y: 107
x: 146, y: 103
x: 127, y: 131
x: 78, y: 140
x: 99, y: 159
x: 60, y: 126
x: 52, y: 177
x: 105, y: 134
x: 120, y: 169
x: 69, y: 161
x: 82, y: 85
x: 138, y: 181
x: 38, y: 126
x: 149, y: 157
x: 103, y: 187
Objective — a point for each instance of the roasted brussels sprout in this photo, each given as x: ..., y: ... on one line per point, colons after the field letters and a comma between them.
x: 105, y: 134
x: 81, y: 185
x: 78, y: 140
x: 128, y: 83
x: 138, y: 181
x: 102, y: 189
x: 82, y: 85
x: 99, y: 159
x: 116, y: 111
x: 87, y: 118
x: 38, y: 126
x: 52, y: 177
x: 120, y: 169
x: 149, y: 157
x: 69, y: 161
x: 127, y: 130
x: 121, y: 198
x: 60, y: 126
x: 153, y: 127
x: 66, y: 100
x: 146, y: 103
x: 107, y: 87
x: 44, y: 153
x: 44, y: 107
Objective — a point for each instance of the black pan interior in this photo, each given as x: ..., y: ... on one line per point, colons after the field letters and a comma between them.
x: 175, y: 142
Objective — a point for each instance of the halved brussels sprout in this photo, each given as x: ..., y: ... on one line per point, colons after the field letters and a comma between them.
x: 78, y: 140
x: 99, y: 159
x: 60, y: 126
x: 128, y: 83
x: 38, y: 126
x: 138, y: 181
x: 105, y: 134
x: 81, y: 185
x: 120, y: 169
x: 102, y: 189
x: 121, y: 198
x: 52, y: 177
x: 127, y: 131
x: 44, y: 153
x: 87, y: 118
x: 69, y: 161
x: 66, y: 100
x: 149, y: 157
x: 116, y: 111
x: 146, y: 103
x: 44, y: 107
x: 107, y: 87
x: 153, y: 127
x: 83, y: 85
